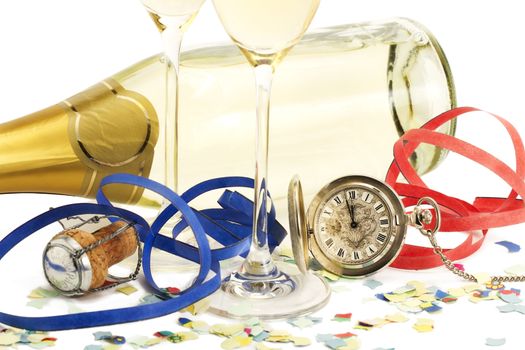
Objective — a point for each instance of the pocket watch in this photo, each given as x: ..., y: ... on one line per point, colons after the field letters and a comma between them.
x: 355, y: 225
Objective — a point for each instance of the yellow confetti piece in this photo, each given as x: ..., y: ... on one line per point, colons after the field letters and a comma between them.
x: 416, y: 284
x: 227, y: 330
x: 153, y: 341
x: 111, y: 347
x: 261, y: 346
x: 279, y: 333
x: 199, y: 307
x: 425, y: 305
x: 457, y: 292
x: 236, y: 342
x: 352, y: 343
x: 423, y: 325
x: 188, y: 335
x: 397, y: 318
x: 8, y: 339
x: 330, y: 276
x: 482, y: 278
x: 427, y: 298
x: 127, y: 289
x: 301, y: 341
x: 395, y: 298
x: 412, y: 302
x: 472, y: 287
x: 36, y: 337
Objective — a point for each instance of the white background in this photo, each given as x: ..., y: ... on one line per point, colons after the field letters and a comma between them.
x: 52, y: 49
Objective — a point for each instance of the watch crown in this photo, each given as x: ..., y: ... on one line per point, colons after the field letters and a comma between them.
x: 420, y: 217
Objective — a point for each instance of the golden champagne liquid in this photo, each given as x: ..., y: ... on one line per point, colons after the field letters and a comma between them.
x: 265, y: 29
x: 339, y: 102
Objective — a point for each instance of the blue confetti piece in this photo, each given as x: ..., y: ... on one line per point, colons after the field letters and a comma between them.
x: 183, y: 321
x: 484, y: 293
x: 261, y: 336
x: 433, y: 308
x: 512, y: 247
x: 381, y: 297
x: 117, y: 339
x: 102, y: 335
x: 372, y: 284
x: 321, y: 338
x: 516, y: 291
x: 440, y: 294
x: 335, y: 343
x: 93, y: 347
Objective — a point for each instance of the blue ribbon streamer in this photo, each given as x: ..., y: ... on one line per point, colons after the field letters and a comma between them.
x: 229, y: 225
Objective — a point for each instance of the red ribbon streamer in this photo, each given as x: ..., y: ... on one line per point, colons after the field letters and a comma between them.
x: 458, y: 215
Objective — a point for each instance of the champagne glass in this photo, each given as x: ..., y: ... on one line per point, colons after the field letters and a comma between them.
x: 264, y: 31
x: 172, y: 18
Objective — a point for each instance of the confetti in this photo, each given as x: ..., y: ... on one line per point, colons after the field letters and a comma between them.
x: 515, y: 270
x: 423, y: 325
x: 42, y: 293
x: 150, y: 299
x: 38, y: 303
x: 511, y: 247
x: 372, y: 284
x: 199, y: 307
x: 507, y: 308
x: 483, y: 277
x: 226, y: 330
x: 330, y: 276
x: 102, y: 335
x: 261, y: 346
x: 495, y: 342
x: 304, y: 322
x: 460, y: 267
x: 396, y: 318
x: 93, y: 347
x: 127, y: 289
x: 8, y: 339
x: 510, y: 298
x: 342, y: 317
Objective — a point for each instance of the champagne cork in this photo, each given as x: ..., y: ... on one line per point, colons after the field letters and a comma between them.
x: 75, y: 275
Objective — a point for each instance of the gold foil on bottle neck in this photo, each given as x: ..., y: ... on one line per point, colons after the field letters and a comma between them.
x: 112, y: 130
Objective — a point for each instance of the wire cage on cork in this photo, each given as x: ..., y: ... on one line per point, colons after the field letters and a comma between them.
x: 77, y: 261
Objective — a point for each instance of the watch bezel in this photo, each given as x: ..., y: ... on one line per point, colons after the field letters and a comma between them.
x: 394, y: 205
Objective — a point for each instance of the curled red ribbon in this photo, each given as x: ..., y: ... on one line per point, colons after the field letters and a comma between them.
x: 458, y: 215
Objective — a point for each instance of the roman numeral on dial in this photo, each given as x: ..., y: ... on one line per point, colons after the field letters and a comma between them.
x: 367, y: 197
x: 338, y: 200
x: 352, y: 194
x: 341, y: 253
x: 381, y: 238
x: 379, y: 207
x: 357, y: 256
x: 384, y: 222
x: 329, y: 242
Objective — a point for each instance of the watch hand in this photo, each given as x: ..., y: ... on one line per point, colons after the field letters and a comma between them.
x: 351, y: 210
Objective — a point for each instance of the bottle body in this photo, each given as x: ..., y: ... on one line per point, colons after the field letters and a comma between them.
x: 340, y: 100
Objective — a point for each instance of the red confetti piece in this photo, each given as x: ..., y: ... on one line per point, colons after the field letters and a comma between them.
x: 49, y: 339
x: 248, y: 331
x: 449, y: 300
x: 345, y: 335
x: 348, y: 316
x: 460, y: 267
x: 173, y: 290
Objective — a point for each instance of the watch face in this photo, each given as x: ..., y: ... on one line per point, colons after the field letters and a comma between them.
x: 358, y: 226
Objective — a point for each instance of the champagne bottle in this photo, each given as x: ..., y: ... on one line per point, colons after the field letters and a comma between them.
x: 340, y: 100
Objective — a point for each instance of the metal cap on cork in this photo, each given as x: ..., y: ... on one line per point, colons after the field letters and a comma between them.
x: 64, y: 269
x: 76, y: 261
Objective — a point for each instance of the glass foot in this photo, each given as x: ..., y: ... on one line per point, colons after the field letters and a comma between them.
x: 287, y: 294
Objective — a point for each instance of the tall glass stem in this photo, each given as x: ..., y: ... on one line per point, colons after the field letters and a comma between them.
x: 172, y: 40
x: 259, y: 261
